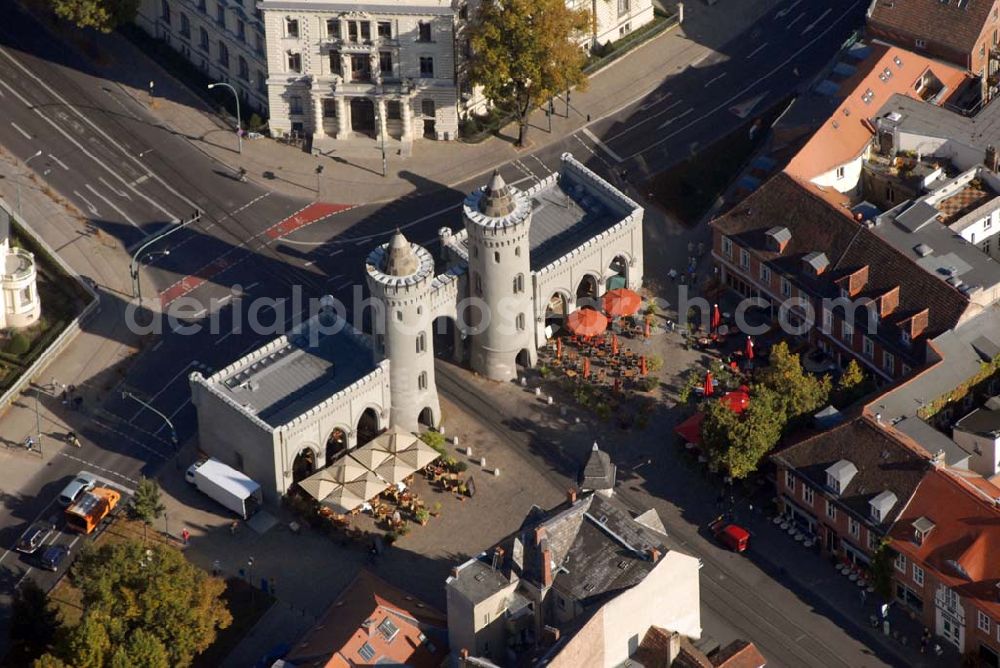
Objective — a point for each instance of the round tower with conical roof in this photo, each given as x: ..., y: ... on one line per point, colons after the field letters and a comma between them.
x: 400, y: 277
x: 498, y: 219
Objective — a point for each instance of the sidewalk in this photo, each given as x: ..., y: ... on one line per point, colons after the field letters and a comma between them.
x: 95, y: 361
x: 352, y: 174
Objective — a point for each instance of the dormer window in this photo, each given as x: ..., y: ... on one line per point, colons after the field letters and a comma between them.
x: 922, y: 528
x: 839, y: 475
x: 904, y: 336
x: 881, y: 505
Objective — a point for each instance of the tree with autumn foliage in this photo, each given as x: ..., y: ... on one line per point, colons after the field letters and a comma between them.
x: 524, y: 52
x: 737, y: 443
x: 800, y: 393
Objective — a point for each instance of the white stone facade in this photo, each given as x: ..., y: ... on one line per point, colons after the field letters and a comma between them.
x: 384, y: 70
x: 20, y: 305
x: 285, y: 401
x: 224, y: 38
x: 613, y: 19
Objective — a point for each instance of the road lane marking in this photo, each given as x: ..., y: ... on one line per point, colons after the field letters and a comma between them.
x: 21, y: 130
x: 756, y: 51
x: 796, y: 20
x: 675, y: 118
x: 784, y: 12
x: 714, y: 79
x: 654, y: 102
x: 701, y: 59
x: 813, y: 24
x: 725, y: 104
x: 93, y: 209
x: 110, y: 140
x: 60, y: 162
x: 120, y: 193
x: 113, y: 206
x: 601, y: 145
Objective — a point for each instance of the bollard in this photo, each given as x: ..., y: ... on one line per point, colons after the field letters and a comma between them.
x: 454, y: 440
x: 538, y: 391
x: 482, y: 462
x: 496, y: 473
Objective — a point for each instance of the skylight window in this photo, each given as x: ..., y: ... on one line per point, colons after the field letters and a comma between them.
x: 367, y: 652
x: 388, y: 629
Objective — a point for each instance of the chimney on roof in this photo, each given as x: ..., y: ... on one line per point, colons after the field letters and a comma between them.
x: 550, y: 635
x: 546, y: 568
x: 858, y: 216
x: 571, y: 495
x: 654, y: 554
x: 539, y: 535
x: 673, y: 648
x: 463, y: 653
x: 939, y: 459
x: 991, y: 158
x: 454, y: 571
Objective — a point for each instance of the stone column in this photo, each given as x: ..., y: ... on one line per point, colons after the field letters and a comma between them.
x: 342, y: 127
x: 318, y: 131
x: 407, y: 136
x: 380, y: 120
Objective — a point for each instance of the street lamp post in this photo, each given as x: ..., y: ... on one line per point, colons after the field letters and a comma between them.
x: 136, y: 277
x: 250, y: 573
x: 38, y: 424
x: 239, y: 121
x: 18, y: 181
x: 173, y: 431
x: 381, y: 132
x: 133, y: 267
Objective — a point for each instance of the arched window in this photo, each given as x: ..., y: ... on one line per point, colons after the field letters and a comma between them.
x: 421, y: 342
x: 519, y: 284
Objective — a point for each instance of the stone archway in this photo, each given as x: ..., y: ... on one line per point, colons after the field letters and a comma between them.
x: 448, y: 341
x: 363, y: 116
x: 426, y: 417
x: 619, y: 276
x: 304, y: 465
x: 556, y: 311
x: 586, y: 292
x: 368, y: 426
x: 336, y: 444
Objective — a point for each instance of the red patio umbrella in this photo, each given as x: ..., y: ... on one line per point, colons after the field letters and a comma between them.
x: 621, y: 302
x: 642, y: 366
x: 586, y: 367
x: 716, y: 317
x: 645, y: 330
x: 709, y: 388
x: 614, y: 344
x: 586, y: 322
x: 737, y: 402
x: 559, y: 348
x: 748, y: 350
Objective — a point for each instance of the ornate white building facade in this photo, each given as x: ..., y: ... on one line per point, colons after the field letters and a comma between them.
x: 523, y: 260
x: 382, y: 69
x: 224, y: 38
x: 20, y: 305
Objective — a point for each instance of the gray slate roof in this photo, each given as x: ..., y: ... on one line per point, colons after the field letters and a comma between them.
x: 298, y: 376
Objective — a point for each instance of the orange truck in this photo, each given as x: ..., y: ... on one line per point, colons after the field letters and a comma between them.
x: 91, y: 508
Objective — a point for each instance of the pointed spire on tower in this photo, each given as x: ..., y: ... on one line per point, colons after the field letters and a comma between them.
x: 400, y: 260
x: 498, y: 200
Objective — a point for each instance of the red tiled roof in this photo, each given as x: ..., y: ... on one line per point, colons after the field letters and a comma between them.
x: 844, y: 136
x: 954, y: 24
x: 965, y: 537
x: 739, y: 654
x: 354, y: 618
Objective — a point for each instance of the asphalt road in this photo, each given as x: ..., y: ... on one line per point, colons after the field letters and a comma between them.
x: 101, y: 150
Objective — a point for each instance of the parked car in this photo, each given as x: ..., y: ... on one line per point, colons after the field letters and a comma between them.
x: 34, y: 537
x: 83, y: 482
x: 733, y: 536
x: 53, y: 556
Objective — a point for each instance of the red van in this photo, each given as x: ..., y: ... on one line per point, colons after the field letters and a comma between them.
x: 731, y: 535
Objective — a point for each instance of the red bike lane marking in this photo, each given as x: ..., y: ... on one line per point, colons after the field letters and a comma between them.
x: 306, y: 216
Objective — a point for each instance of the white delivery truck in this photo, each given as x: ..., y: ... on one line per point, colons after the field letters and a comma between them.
x: 226, y: 485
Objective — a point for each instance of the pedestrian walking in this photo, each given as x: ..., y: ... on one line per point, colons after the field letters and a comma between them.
x: 216, y: 568
x: 864, y: 597
x: 690, y: 247
x: 185, y: 535
x: 65, y: 398
x: 701, y: 249
x: 925, y: 639
x: 234, y: 527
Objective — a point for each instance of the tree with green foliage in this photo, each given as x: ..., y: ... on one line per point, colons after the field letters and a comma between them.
x: 800, y: 393
x: 524, y: 52
x: 146, y: 504
x: 141, y: 649
x: 851, y: 377
x: 103, y: 15
x: 128, y: 587
x: 33, y: 623
x: 49, y: 661
x: 738, y: 442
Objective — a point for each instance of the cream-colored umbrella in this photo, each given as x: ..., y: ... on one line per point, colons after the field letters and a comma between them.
x: 418, y: 455
x: 366, y: 487
x: 345, y: 470
x: 369, y: 457
x: 342, y: 500
x: 394, y: 470
x: 394, y: 440
x: 319, y: 485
